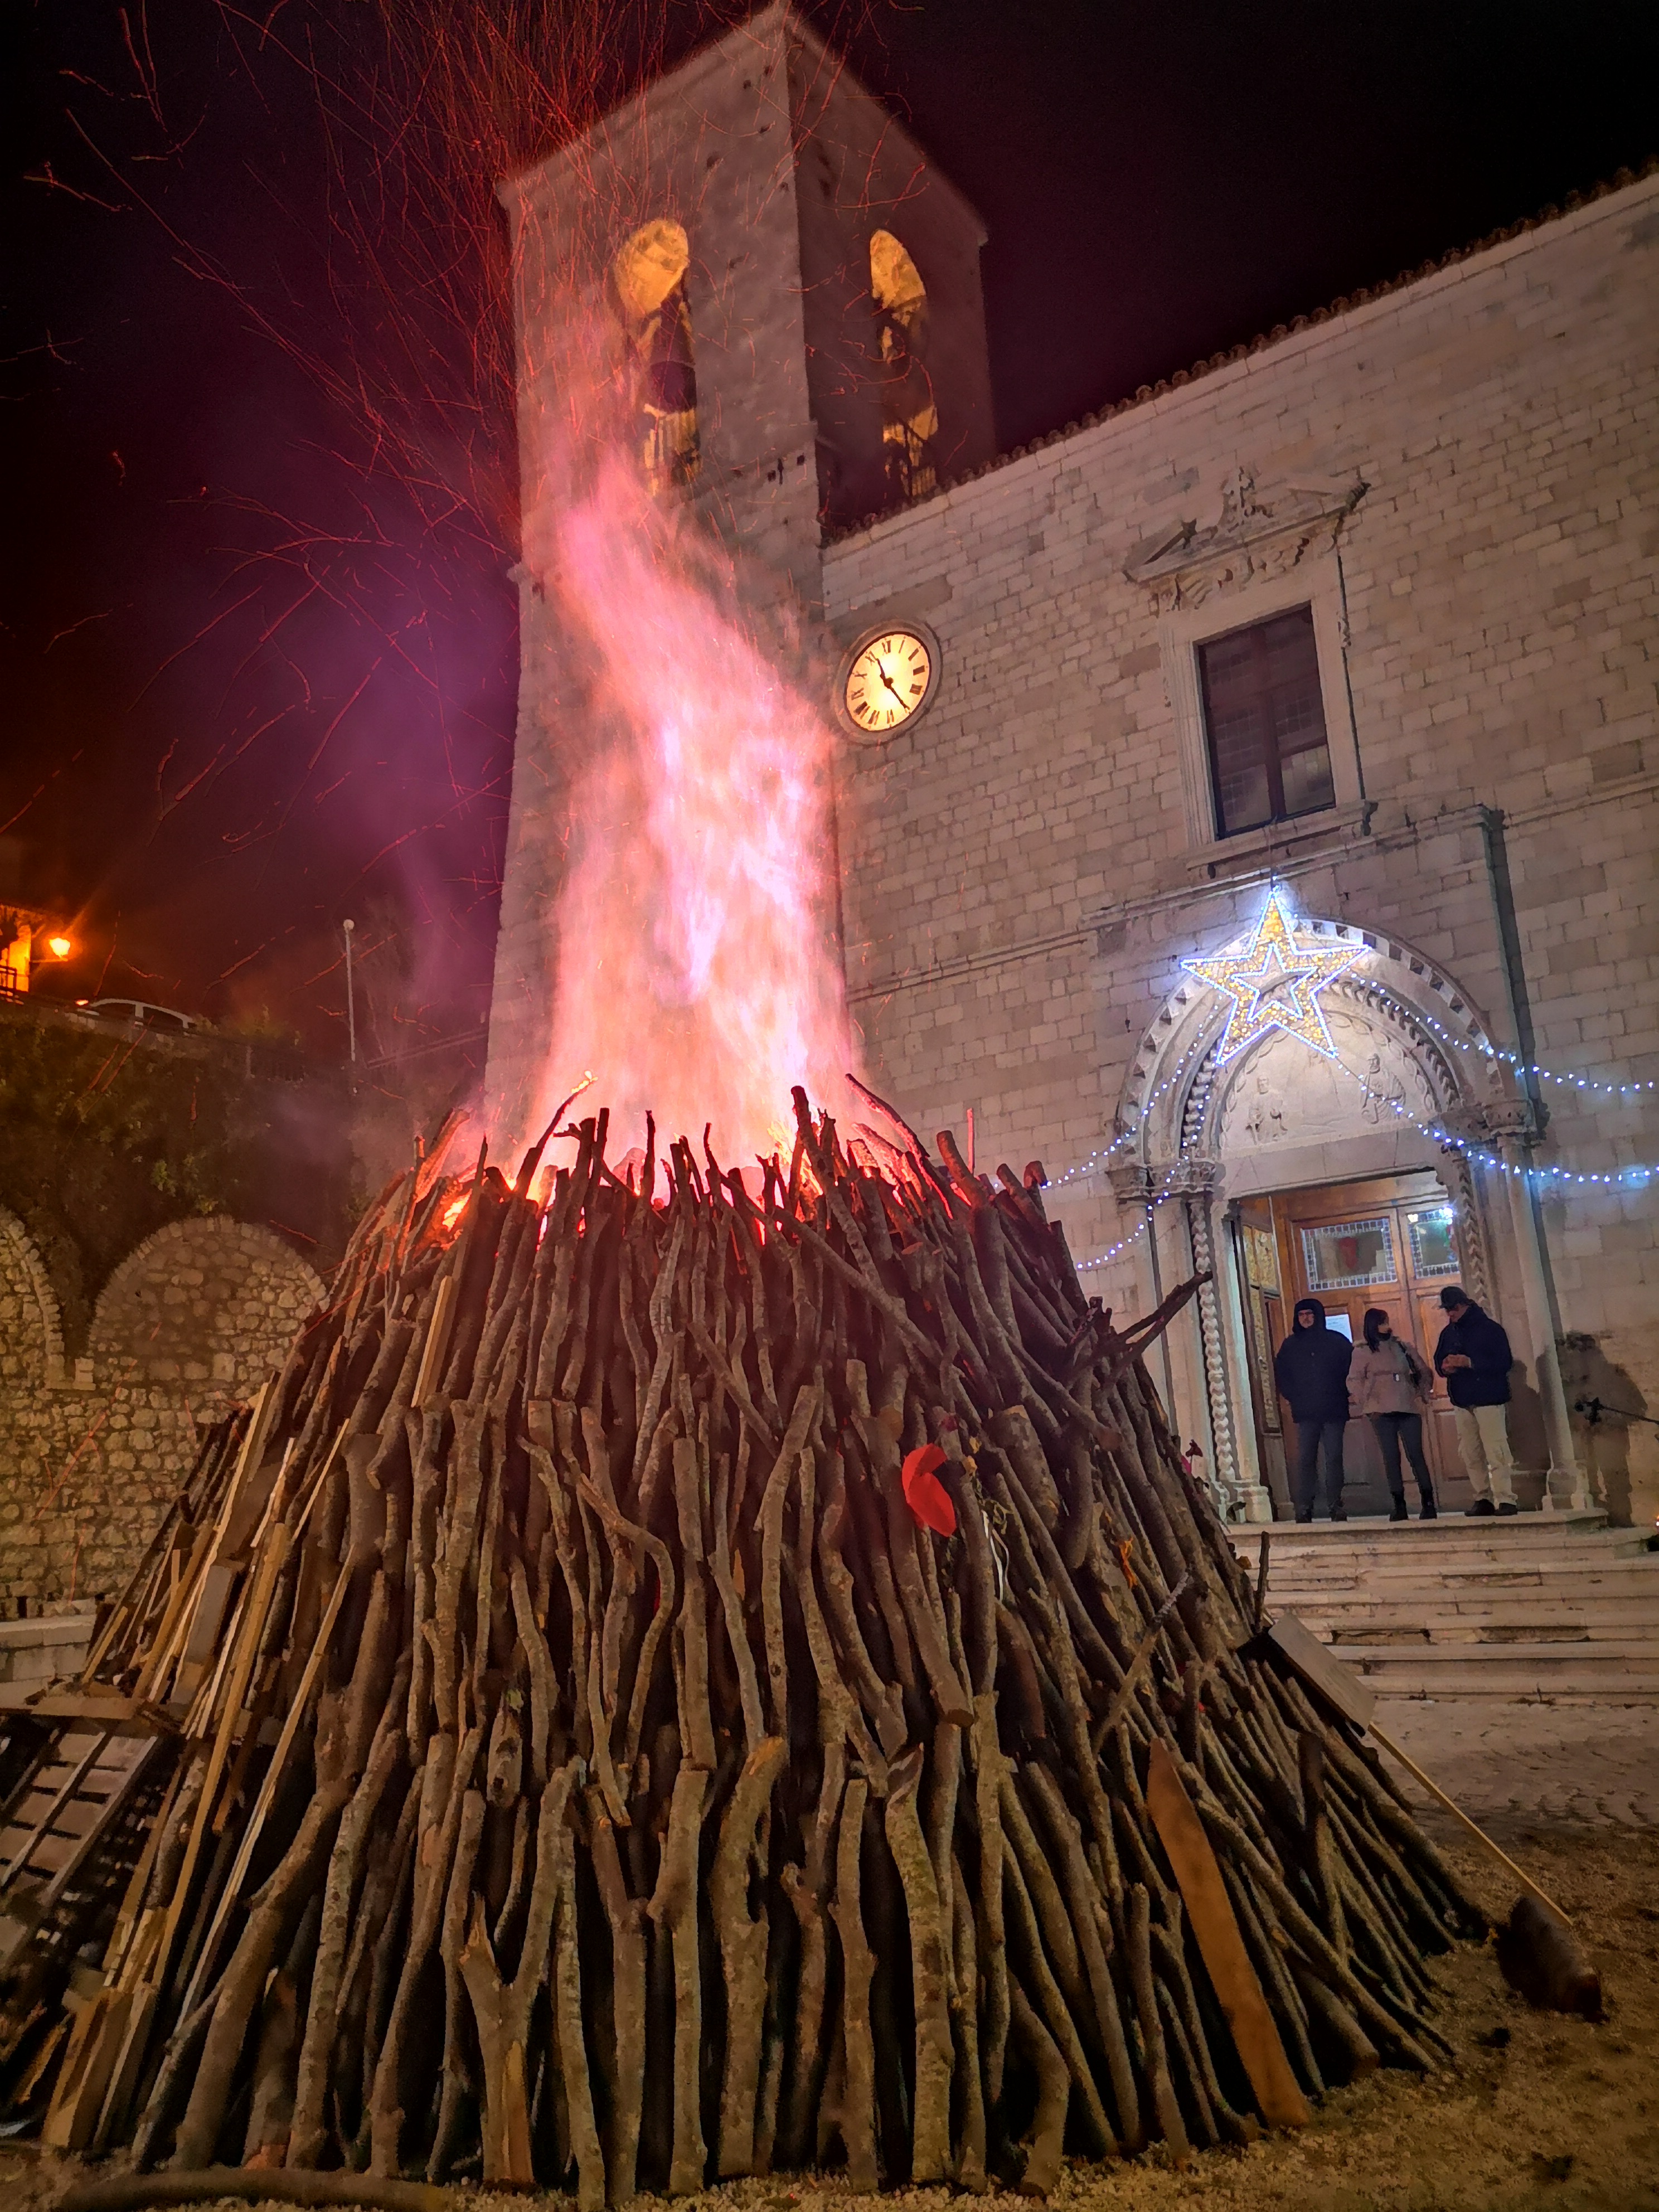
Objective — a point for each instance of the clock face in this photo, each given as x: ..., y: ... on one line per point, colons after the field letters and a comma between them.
x: 889, y: 677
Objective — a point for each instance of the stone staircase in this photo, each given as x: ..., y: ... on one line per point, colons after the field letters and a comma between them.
x: 1553, y: 1606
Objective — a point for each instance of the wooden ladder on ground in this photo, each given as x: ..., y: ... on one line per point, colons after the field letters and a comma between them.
x: 69, y: 1837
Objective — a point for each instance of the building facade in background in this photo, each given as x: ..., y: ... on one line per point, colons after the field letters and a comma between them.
x: 1270, y: 845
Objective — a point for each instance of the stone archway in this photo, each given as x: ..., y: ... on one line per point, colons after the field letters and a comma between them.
x: 1413, y: 1067
x: 206, y: 1306
x: 31, y: 1335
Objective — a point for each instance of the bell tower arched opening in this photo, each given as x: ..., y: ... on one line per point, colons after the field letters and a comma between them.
x: 645, y: 288
x: 909, y: 411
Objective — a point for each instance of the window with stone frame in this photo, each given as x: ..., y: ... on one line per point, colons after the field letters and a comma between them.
x: 1264, y: 723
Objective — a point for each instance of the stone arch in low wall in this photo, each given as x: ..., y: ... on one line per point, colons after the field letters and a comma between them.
x: 206, y: 1308
x: 190, y: 1324
x: 31, y: 1334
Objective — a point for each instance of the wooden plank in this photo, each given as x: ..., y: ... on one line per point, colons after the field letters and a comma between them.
x: 193, y: 1591
x: 130, y: 1607
x: 273, y: 1776
x: 127, y: 2064
x: 121, y: 1964
x: 437, y: 1341
x: 1336, y: 1683
x: 117, y: 1716
x: 201, y: 1707
x: 246, y: 1650
x: 83, y: 2079
x: 83, y: 1809
x: 162, y: 1651
x: 1221, y: 1947
x: 217, y: 1584
x: 253, y: 1443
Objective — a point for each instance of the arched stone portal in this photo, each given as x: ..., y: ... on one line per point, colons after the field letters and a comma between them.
x: 1413, y: 1065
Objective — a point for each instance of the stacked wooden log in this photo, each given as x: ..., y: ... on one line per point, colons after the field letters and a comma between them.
x: 693, y: 1674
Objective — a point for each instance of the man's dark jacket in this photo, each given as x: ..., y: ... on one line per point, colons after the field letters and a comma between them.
x: 1485, y: 1380
x: 1311, y: 1368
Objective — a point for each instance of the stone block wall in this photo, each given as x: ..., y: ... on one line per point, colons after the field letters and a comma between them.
x: 93, y: 1450
x: 1478, y: 455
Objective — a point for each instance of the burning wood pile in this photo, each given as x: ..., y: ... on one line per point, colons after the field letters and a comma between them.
x: 688, y: 1675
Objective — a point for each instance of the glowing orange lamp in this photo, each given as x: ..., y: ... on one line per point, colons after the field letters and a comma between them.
x: 59, y: 947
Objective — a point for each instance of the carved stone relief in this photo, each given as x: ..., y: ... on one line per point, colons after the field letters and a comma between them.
x: 1286, y: 1095
x: 1254, y: 536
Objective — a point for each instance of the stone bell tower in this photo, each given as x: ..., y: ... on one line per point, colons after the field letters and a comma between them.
x: 789, y: 294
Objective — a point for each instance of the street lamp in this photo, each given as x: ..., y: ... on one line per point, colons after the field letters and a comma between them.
x: 347, y: 928
x: 59, y: 947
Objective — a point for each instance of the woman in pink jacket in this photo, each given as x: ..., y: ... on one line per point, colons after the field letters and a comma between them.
x: 1390, y: 1386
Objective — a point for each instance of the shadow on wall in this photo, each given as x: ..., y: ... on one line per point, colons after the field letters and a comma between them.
x: 1603, y: 1440
x: 1528, y: 1439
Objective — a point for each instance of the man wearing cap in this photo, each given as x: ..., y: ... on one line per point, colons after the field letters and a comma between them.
x: 1473, y: 1355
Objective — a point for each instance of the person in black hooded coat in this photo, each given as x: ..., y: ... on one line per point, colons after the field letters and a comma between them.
x: 1311, y: 1369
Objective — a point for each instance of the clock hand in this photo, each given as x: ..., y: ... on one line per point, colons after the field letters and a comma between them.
x: 889, y: 682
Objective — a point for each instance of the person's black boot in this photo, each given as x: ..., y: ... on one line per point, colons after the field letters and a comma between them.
x: 1429, y: 1510
x: 1400, y: 1512
x: 1305, y: 1516
x: 1483, y: 1509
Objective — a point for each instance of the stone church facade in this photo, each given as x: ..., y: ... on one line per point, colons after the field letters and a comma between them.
x: 1407, y: 542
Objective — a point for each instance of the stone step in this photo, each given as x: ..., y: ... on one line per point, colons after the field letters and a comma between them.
x: 1558, y: 1606
x: 1404, y: 1592
x: 1440, y: 1539
x: 1621, y: 1674
x: 1555, y: 1531
x: 1590, y: 1522
x: 1452, y: 1559
x: 1570, y: 1585
x: 1363, y: 1623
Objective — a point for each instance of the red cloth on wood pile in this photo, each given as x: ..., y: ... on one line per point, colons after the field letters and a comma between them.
x: 924, y: 1493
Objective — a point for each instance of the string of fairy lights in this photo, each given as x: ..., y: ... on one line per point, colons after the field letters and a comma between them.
x: 1096, y: 1160
x: 1631, y: 1176
x: 1572, y: 1081
x: 1105, y: 1259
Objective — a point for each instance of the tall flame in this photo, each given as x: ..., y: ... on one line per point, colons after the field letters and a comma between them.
x: 697, y: 975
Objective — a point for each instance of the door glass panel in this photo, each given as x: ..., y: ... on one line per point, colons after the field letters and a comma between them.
x: 1349, y: 1254
x: 1433, y: 1250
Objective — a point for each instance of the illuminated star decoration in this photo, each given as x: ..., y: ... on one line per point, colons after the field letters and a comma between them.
x: 1274, y: 982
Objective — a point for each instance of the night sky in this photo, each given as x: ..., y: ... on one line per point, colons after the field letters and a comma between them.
x: 255, y: 680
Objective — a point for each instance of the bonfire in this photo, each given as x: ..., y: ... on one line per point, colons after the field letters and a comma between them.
x: 688, y: 1673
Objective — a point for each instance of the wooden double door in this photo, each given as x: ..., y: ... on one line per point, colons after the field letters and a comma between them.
x: 1390, y: 1241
